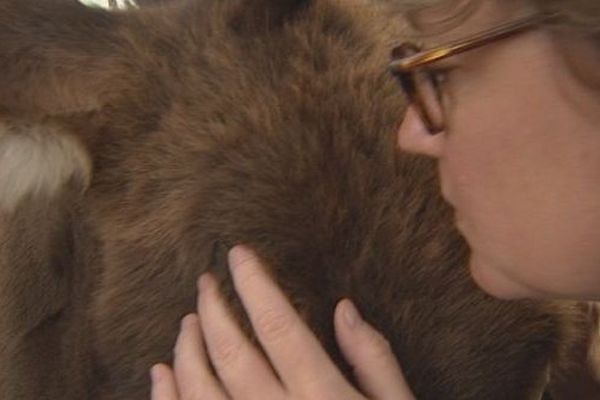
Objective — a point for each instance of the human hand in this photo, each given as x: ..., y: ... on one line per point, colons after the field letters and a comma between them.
x: 297, y: 366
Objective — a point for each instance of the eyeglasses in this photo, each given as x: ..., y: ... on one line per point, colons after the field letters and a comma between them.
x: 421, y: 86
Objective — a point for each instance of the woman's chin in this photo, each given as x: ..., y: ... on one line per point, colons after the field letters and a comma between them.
x: 496, y: 283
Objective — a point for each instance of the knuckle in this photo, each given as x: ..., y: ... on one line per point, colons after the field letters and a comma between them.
x: 224, y: 351
x: 247, y: 279
x: 194, y: 396
x: 321, y: 387
x: 378, y: 346
x: 331, y: 393
x: 272, y: 325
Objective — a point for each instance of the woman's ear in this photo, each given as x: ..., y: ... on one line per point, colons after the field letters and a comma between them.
x: 58, y: 56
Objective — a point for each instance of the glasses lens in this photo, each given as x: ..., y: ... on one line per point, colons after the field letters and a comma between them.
x: 421, y: 90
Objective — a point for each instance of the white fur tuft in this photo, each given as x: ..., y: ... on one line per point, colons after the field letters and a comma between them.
x: 110, y: 4
x: 37, y: 160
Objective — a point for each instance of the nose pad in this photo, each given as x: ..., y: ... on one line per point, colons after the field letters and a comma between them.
x: 414, y: 137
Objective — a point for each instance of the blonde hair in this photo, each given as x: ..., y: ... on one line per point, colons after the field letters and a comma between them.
x: 580, y: 15
x: 583, y: 15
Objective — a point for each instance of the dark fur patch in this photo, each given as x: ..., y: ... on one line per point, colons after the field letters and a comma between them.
x: 211, y: 123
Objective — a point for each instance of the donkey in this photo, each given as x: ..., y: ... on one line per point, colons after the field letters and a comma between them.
x: 137, y: 146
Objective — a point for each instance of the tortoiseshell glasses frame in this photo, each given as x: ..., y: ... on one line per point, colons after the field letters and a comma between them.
x: 420, y: 85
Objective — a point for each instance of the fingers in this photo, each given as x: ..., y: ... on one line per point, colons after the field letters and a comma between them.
x: 293, y: 350
x: 241, y: 367
x: 163, y: 383
x: 295, y: 353
x: 375, y: 366
x: 192, y: 372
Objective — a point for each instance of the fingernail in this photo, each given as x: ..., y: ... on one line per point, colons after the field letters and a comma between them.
x: 205, y: 282
x: 155, y: 374
x: 351, y: 315
x: 189, y: 320
x: 238, y: 255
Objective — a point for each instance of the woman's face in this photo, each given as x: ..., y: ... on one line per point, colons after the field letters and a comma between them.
x: 519, y: 161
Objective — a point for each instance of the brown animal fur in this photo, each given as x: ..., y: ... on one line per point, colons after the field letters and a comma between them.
x: 214, y: 122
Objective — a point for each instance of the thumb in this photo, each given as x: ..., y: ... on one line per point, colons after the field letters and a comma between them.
x: 370, y: 354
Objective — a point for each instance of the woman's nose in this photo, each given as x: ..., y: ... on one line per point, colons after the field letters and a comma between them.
x: 414, y: 137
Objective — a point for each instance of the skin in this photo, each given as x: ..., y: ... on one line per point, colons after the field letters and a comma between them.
x: 521, y: 168
x: 297, y: 366
x: 522, y: 171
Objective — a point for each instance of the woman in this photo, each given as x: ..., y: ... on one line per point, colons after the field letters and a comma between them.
x: 520, y: 167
